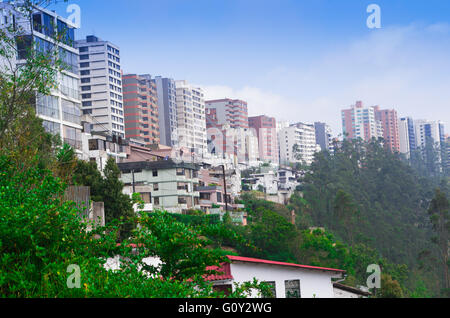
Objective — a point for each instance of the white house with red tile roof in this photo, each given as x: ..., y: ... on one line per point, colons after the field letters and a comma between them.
x: 288, y: 280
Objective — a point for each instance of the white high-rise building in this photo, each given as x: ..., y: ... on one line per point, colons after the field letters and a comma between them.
x: 428, y: 130
x: 191, y: 118
x: 404, y: 138
x: 101, y: 85
x: 304, y: 136
x: 61, y: 110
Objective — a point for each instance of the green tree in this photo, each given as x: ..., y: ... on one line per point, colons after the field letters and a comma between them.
x: 107, y: 189
x: 390, y: 288
x: 41, y: 235
x: 439, y: 212
x: 346, y: 212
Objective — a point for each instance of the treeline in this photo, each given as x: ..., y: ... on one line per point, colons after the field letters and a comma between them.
x: 365, y: 194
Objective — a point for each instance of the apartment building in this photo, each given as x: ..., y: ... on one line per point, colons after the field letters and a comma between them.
x: 266, y: 130
x: 191, y: 118
x: 232, y: 112
x: 298, y: 143
x: 238, y: 143
x: 429, y: 130
x: 167, y: 110
x: 141, y: 108
x: 173, y: 185
x: 389, y: 121
x: 101, y: 84
x: 407, y: 136
x: 61, y: 109
x: 360, y: 122
x: 324, y: 137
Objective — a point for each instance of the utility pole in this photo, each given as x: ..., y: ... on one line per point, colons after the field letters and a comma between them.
x: 225, y: 188
x: 134, y: 187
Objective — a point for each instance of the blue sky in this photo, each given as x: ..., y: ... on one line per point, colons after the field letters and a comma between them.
x: 293, y: 59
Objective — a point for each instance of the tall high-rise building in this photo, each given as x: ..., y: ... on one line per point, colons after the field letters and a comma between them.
x: 323, y: 136
x: 167, y: 109
x: 360, y: 122
x: 232, y: 112
x: 301, y: 136
x: 266, y: 130
x: 191, y: 118
x: 61, y: 109
x: 101, y: 84
x: 428, y: 130
x: 389, y: 122
x: 141, y: 108
x: 407, y: 136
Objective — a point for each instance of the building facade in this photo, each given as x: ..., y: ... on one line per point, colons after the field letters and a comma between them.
x: 61, y: 109
x: 173, y: 185
x: 389, y: 121
x: 360, y: 122
x: 324, y: 137
x: 191, y: 118
x: 429, y: 130
x: 232, y: 112
x: 167, y: 110
x: 266, y: 130
x: 298, y: 144
x: 101, y: 84
x: 141, y: 108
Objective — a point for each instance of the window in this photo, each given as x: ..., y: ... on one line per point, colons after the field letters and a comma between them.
x: 292, y: 288
x: 84, y: 57
x: 71, y: 111
x: 23, y: 46
x: 86, y: 64
x: 155, y: 173
x: 51, y: 127
x: 86, y: 96
x: 69, y: 60
x: 156, y: 201
x: 85, y: 80
x: 85, y: 88
x: 272, y: 286
x: 84, y: 49
x: 67, y: 34
x: 47, y: 106
x: 155, y: 187
x: 85, y: 104
x: 86, y: 72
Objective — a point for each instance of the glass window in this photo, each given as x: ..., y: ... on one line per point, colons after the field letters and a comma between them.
x: 69, y: 60
x: 71, y: 112
x: 23, y: 46
x: 47, y: 106
x: 48, y: 26
x: 272, y: 286
x: 52, y: 127
x: 72, y: 136
x: 69, y: 86
x: 292, y: 288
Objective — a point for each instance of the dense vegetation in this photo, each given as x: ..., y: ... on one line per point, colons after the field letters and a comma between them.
x: 367, y: 195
